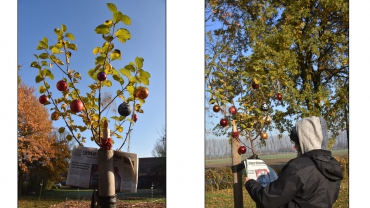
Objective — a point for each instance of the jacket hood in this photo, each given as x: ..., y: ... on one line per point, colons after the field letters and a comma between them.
x: 326, y: 164
x: 312, y: 133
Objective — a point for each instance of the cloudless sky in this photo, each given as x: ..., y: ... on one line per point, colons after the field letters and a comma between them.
x: 37, y: 19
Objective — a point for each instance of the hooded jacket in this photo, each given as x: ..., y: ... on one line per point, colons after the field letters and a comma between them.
x: 311, y: 180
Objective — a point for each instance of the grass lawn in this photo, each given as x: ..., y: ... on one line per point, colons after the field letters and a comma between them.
x: 57, y: 196
x: 224, y: 198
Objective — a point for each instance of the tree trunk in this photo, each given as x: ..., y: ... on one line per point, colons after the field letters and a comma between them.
x: 237, y: 175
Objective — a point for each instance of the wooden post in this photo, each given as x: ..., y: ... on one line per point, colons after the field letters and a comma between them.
x: 237, y: 176
x: 106, y: 183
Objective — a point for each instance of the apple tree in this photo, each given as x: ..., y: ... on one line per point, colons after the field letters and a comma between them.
x: 71, y: 104
x: 290, y: 57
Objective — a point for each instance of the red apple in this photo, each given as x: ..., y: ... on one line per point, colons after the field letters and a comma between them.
x: 232, y: 110
x: 255, y: 86
x: 242, y: 150
x: 43, y: 99
x: 102, y: 76
x: 279, y: 96
x: 216, y: 108
x: 224, y: 122
x: 76, y: 106
x: 134, y: 117
x: 62, y: 85
x: 264, y: 135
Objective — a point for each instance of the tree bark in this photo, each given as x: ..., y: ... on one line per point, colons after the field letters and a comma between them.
x: 237, y: 176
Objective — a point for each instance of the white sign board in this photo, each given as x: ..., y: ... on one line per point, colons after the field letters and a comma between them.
x: 258, y: 170
x: 83, y: 169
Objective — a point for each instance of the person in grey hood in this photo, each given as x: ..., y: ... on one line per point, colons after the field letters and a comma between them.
x: 310, y: 180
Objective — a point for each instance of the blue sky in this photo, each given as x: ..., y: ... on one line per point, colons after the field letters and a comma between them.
x: 37, y: 19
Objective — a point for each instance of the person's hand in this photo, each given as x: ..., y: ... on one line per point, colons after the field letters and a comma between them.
x: 246, y: 179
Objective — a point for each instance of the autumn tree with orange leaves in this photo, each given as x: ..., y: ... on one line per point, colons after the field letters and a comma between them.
x: 41, y: 155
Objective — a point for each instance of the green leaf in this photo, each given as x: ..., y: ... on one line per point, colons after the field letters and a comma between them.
x: 77, y: 75
x: 42, y: 89
x: 115, y: 118
x: 119, y: 79
x: 144, y: 73
x: 44, y: 63
x: 39, y: 78
x: 70, y: 36
x: 99, y: 60
x: 107, y: 83
x: 139, y: 62
x: 36, y: 56
x: 47, y: 85
x: 69, y: 137
x: 122, y: 35
x: 34, y: 64
x: 116, y: 76
x: 58, y: 31
x: 130, y: 89
x: 44, y: 56
x: 97, y: 50
x: 72, y: 46
x: 102, y: 29
x: 114, y: 56
x: 112, y: 7
x: 55, y: 50
x: 144, y: 80
x: 43, y: 45
x: 130, y: 67
x: 93, y: 74
x: 61, y: 130
x: 119, y: 128
x: 48, y: 73
x: 125, y: 72
x: 117, y: 16
x: 126, y: 20
x: 64, y: 28
x: 45, y: 40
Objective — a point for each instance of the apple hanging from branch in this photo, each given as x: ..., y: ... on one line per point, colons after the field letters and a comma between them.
x: 76, y: 106
x: 62, y: 85
x: 43, y: 99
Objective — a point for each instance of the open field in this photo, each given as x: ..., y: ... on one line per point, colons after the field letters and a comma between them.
x: 81, y: 198
x: 272, y: 160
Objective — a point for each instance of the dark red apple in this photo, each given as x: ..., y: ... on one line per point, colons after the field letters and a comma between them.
x: 43, y: 99
x: 232, y: 110
x: 62, y: 85
x: 102, y: 76
x: 255, y: 86
x: 223, y: 122
x: 216, y: 108
x: 76, y: 106
x: 134, y: 117
x: 242, y: 150
x: 279, y: 96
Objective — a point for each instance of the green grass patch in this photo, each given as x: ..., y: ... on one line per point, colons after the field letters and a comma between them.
x: 56, y: 196
x: 224, y: 198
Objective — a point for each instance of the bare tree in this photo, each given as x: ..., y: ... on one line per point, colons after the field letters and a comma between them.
x: 159, y: 149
